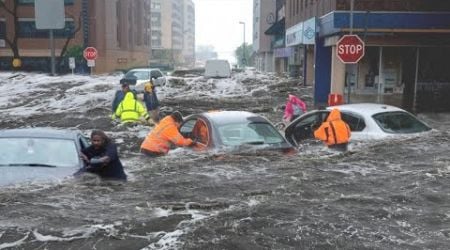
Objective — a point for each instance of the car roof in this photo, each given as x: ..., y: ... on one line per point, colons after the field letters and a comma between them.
x: 229, y: 117
x: 366, y: 108
x: 39, y: 133
x: 143, y: 69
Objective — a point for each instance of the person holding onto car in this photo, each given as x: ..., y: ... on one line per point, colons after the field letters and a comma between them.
x: 334, y: 132
x: 164, y: 136
x: 151, y: 100
x: 120, y: 94
x: 130, y: 110
x: 294, y: 108
x: 102, y: 159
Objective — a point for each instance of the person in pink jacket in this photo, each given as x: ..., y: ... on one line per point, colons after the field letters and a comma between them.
x: 294, y: 108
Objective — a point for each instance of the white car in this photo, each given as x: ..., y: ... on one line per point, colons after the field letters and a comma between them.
x: 143, y: 75
x: 367, y: 121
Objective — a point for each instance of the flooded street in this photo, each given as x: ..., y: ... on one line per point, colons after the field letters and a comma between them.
x: 392, y: 194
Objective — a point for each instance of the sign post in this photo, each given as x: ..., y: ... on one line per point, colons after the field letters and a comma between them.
x: 72, y: 63
x: 90, y: 54
x: 49, y: 14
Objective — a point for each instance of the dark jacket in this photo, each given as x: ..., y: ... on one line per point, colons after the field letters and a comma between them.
x: 113, y: 169
x: 150, y: 97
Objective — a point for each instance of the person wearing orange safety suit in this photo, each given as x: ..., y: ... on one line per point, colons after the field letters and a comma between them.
x: 164, y: 135
x: 334, y: 132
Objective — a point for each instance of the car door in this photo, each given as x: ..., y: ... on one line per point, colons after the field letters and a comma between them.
x: 302, y: 128
x: 198, y: 130
x: 357, y: 126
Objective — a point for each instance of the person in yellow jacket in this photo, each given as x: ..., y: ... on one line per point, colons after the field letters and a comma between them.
x: 164, y: 135
x: 334, y: 132
x: 130, y: 110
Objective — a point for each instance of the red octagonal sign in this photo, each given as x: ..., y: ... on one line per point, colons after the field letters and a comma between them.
x: 350, y: 49
x: 90, y: 53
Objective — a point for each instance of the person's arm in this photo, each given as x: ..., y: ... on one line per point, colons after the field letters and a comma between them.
x: 320, y: 132
x: 176, y: 138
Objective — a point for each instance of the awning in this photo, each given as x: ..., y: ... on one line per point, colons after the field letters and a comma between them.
x: 276, y: 28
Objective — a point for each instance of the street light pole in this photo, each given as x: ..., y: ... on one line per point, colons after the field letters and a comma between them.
x: 244, y: 60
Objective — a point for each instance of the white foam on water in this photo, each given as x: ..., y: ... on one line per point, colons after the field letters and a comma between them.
x: 14, y: 244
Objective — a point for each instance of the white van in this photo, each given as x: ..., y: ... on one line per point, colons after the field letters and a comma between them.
x: 217, y: 68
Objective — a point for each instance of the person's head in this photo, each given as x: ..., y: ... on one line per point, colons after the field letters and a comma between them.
x: 177, y: 117
x: 290, y: 97
x: 125, y: 86
x: 99, y: 139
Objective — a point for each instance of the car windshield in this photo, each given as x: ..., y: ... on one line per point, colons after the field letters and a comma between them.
x: 249, y: 133
x: 139, y: 75
x: 38, y: 151
x: 399, y: 123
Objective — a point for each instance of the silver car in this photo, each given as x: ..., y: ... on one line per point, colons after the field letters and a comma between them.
x: 143, y: 75
x: 39, y: 154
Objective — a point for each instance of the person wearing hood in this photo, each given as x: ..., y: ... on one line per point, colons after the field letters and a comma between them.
x: 130, y: 110
x: 120, y: 94
x: 102, y: 158
x: 151, y: 100
x: 294, y: 108
x: 164, y: 136
x: 334, y: 132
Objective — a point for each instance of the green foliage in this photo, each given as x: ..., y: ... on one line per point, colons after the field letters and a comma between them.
x: 240, y: 52
x: 75, y: 51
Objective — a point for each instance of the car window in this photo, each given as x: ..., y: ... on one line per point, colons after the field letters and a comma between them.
x: 187, y: 127
x: 355, y: 122
x: 249, y: 133
x: 399, y: 122
x: 139, y: 75
x: 58, y: 152
x: 200, y: 132
x: 156, y: 74
x: 303, y: 129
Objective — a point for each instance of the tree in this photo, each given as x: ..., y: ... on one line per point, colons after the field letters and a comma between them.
x: 62, y: 55
x: 13, y: 41
x: 243, y: 54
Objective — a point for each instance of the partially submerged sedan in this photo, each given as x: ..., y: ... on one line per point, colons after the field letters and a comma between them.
x: 234, y: 130
x: 367, y: 121
x: 39, y: 154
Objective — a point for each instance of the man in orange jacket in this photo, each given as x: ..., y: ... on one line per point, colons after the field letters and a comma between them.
x: 164, y: 135
x: 334, y: 131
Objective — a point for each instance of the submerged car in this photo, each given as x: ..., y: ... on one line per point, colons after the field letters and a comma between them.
x: 367, y: 121
x: 234, y: 130
x: 39, y: 154
x: 142, y: 75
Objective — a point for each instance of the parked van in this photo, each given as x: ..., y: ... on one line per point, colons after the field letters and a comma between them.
x: 217, y: 68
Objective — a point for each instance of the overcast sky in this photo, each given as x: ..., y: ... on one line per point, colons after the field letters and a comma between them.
x: 217, y: 24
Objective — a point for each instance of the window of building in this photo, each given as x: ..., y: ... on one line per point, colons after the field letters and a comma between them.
x: 27, y: 29
x: 31, y: 2
x: 2, y: 29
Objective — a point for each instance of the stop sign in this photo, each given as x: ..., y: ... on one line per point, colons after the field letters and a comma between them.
x: 350, y: 49
x: 90, y: 53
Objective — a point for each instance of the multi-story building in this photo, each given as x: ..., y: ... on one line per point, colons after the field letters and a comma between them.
x: 118, y: 29
x: 407, y: 44
x: 173, y: 32
x: 264, y: 12
x: 281, y: 54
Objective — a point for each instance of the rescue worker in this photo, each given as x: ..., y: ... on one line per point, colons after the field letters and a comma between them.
x: 120, y: 94
x: 130, y: 110
x: 334, y: 132
x: 294, y: 108
x: 102, y: 158
x: 164, y: 135
x: 151, y: 100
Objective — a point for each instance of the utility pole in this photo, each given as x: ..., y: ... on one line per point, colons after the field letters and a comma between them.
x: 349, y: 87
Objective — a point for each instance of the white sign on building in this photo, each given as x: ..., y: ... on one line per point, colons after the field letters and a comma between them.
x: 309, y: 31
x: 294, y: 35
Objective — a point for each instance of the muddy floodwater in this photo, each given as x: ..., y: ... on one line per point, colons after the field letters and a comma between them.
x: 392, y: 194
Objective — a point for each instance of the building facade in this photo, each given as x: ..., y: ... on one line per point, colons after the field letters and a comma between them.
x: 173, y: 32
x: 264, y: 16
x: 118, y: 29
x: 406, y: 47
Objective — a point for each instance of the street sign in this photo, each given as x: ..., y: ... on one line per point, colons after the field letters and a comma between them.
x: 90, y: 53
x: 91, y: 63
x: 350, y: 49
x: 71, y: 62
x: 49, y: 14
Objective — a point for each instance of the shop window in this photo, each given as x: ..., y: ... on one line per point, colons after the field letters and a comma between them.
x: 31, y: 2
